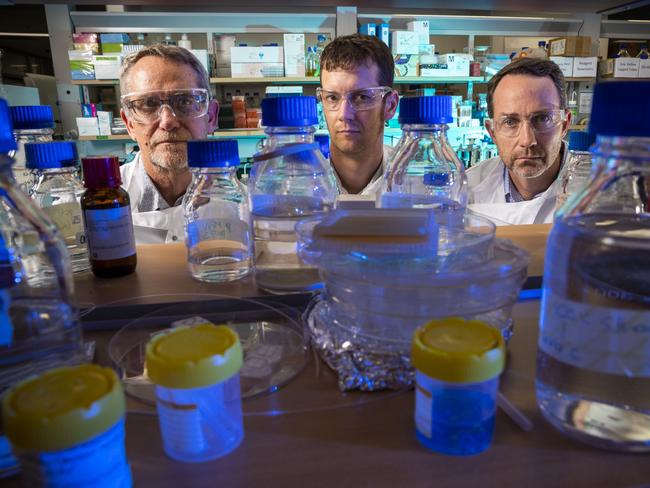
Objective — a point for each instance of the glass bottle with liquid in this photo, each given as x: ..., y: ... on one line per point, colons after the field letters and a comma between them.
x: 425, y: 171
x: 107, y: 219
x: 57, y: 190
x: 577, y: 167
x: 593, y: 363
x: 622, y: 51
x: 217, y: 216
x: 290, y: 180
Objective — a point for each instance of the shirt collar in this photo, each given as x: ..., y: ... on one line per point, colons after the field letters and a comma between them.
x: 150, y: 198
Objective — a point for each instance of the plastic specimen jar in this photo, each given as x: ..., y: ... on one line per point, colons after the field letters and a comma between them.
x: 67, y: 428
x: 196, y: 372
x: 457, y: 365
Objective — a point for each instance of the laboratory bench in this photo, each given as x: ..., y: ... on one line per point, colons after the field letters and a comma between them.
x: 308, y: 433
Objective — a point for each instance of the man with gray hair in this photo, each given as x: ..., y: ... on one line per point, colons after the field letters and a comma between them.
x: 165, y: 103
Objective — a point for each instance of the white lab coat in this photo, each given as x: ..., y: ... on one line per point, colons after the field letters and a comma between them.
x: 487, y: 196
x: 150, y: 227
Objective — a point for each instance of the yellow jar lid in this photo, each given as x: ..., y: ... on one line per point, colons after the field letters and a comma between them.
x: 193, y: 356
x: 458, y: 350
x: 62, y: 407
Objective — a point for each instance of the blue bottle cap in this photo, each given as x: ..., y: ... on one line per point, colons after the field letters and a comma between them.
x: 434, y: 109
x: 7, y: 141
x: 296, y: 111
x: 48, y: 155
x: 212, y: 153
x: 32, y: 117
x: 621, y: 108
x: 580, y: 140
x: 323, y: 141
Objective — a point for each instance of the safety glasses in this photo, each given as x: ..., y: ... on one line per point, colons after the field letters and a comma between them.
x: 363, y: 99
x: 145, y: 107
x: 540, y: 122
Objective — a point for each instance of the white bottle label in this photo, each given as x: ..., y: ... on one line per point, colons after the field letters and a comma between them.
x: 67, y: 218
x: 423, y: 405
x: 602, y: 339
x: 110, y: 233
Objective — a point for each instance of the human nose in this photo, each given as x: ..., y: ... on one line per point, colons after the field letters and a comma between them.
x: 527, y: 136
x: 346, y: 110
x: 168, y: 120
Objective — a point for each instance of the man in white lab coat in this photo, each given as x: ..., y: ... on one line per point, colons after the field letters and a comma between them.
x: 357, y: 96
x: 528, y: 122
x: 165, y: 103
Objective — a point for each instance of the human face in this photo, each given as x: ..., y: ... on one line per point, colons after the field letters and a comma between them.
x: 163, y: 143
x: 530, y: 154
x: 352, y: 132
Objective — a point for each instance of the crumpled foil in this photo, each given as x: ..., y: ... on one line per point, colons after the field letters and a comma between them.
x: 361, y: 363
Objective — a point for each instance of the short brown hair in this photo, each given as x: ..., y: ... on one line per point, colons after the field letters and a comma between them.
x: 350, y: 52
x: 532, y: 67
x: 171, y: 53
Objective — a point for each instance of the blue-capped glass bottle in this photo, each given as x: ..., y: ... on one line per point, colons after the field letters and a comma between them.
x: 577, y: 167
x: 290, y: 180
x: 40, y: 328
x: 593, y: 363
x: 57, y: 190
x: 218, y: 231
x: 31, y: 123
x: 425, y: 171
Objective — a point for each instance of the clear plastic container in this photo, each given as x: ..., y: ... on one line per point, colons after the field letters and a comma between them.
x: 31, y: 124
x: 593, y: 371
x: 57, y: 190
x: 425, y: 171
x: 388, y: 271
x: 40, y: 328
x: 196, y: 372
x: 577, y: 167
x: 217, y: 215
x: 67, y: 427
x: 290, y: 181
x: 457, y: 365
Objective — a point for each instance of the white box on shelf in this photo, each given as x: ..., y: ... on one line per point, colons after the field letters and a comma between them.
x: 107, y: 66
x: 253, y: 70
x: 88, y: 126
x: 202, y: 55
x: 104, y: 122
x: 565, y: 63
x: 585, y: 67
x: 448, y: 65
x: 284, y: 90
x: 626, y: 67
x: 644, y: 68
x: 261, y: 54
x: 405, y: 42
x: 429, y: 49
x: 294, y: 54
x: 420, y: 26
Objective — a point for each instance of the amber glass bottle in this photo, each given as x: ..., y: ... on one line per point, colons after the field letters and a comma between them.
x: 107, y: 219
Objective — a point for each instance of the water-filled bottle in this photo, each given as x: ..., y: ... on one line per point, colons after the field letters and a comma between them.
x: 593, y: 364
x: 425, y: 171
x: 290, y: 180
x: 39, y: 326
x: 577, y: 166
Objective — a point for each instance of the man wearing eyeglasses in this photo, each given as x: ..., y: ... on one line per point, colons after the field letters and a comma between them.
x: 357, y: 97
x: 528, y: 122
x: 165, y: 103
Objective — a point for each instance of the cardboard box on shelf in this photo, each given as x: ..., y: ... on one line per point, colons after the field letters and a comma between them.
x: 565, y: 64
x: 620, y: 67
x: 87, y: 46
x: 262, y: 54
x: 406, y: 64
x: 294, y: 54
x: 421, y: 27
x: 104, y: 122
x: 585, y: 67
x: 85, y: 37
x: 107, y: 67
x: 81, y: 65
x: 405, y: 42
x: 570, y: 46
x: 88, y: 126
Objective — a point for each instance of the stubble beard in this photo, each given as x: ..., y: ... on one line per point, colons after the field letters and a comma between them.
x: 170, y: 159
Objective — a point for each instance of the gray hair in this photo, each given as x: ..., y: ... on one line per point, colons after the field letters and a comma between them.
x: 171, y: 53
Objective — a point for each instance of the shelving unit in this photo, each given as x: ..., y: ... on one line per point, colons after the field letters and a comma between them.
x: 95, y: 82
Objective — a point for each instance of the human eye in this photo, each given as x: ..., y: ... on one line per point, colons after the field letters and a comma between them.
x: 543, y: 119
x: 146, y: 104
x: 331, y: 97
x: 509, y: 122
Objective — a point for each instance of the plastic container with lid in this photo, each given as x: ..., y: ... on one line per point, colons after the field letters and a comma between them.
x: 290, y: 181
x: 217, y: 214
x: 67, y: 428
x: 425, y: 171
x: 196, y: 372
x: 32, y: 123
x: 457, y: 366
x: 57, y: 190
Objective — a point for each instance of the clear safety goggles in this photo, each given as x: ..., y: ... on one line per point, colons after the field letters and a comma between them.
x: 145, y: 107
x: 540, y: 122
x: 363, y: 99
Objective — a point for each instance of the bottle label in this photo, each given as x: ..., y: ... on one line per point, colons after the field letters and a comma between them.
x: 423, y: 405
x: 596, y: 338
x: 67, y: 218
x: 110, y: 233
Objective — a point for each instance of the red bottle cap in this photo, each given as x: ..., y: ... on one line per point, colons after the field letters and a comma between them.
x: 101, y: 172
